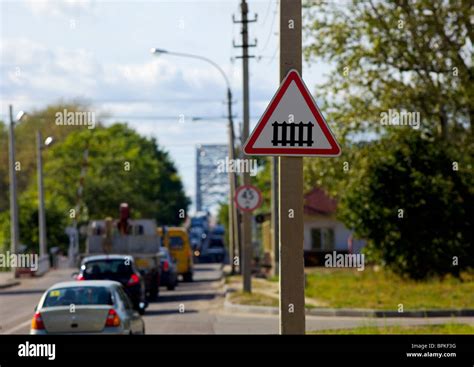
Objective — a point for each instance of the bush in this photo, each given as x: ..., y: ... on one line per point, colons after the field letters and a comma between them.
x: 413, y: 207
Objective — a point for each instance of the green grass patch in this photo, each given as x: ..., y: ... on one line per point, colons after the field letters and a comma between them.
x: 383, y: 290
x: 425, y: 329
x: 252, y: 299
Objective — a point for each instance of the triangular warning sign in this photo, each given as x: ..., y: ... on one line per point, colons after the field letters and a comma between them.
x: 292, y: 125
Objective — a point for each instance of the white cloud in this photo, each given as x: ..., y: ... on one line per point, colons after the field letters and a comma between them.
x: 61, y: 8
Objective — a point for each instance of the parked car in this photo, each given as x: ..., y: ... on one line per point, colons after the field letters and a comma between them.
x: 120, y: 268
x: 176, y: 239
x: 88, y: 307
x: 169, y: 271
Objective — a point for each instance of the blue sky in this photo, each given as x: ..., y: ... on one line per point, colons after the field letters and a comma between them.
x: 99, y: 51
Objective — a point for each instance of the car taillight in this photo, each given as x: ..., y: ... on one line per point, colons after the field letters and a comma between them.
x: 37, y: 322
x: 80, y: 277
x: 134, y: 279
x: 166, y: 265
x: 112, y: 318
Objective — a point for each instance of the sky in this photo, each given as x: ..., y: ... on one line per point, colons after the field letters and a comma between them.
x: 99, y: 51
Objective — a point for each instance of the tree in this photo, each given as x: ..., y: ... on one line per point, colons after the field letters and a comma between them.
x: 414, y: 202
x: 413, y: 57
x: 404, y: 55
x: 121, y: 166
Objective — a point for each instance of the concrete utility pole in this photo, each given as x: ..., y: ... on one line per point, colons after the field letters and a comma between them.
x: 292, y: 308
x: 246, y: 259
x: 234, y: 237
x: 14, y: 226
x: 275, y: 224
x: 41, y: 211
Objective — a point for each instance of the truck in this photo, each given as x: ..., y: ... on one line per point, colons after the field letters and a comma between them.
x: 125, y: 236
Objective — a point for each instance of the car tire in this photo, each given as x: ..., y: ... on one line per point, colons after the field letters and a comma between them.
x: 154, y: 291
x: 188, y: 277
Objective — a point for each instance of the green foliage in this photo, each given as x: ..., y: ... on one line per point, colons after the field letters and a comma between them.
x: 121, y: 166
x: 223, y: 218
x: 151, y: 186
x: 414, y: 55
x: 56, y: 222
x: 406, y: 172
x: 406, y: 56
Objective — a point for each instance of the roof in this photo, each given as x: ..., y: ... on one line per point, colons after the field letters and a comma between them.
x: 317, y: 201
x: 85, y: 283
x: 106, y: 257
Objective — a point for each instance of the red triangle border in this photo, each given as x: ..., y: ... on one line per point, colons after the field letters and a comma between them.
x: 292, y: 76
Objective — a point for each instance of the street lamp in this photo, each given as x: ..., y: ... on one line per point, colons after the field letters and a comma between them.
x: 40, y: 145
x: 14, y: 226
x: 234, y: 230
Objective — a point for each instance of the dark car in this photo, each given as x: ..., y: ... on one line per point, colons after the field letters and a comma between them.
x: 215, y: 250
x: 169, y: 272
x: 120, y: 268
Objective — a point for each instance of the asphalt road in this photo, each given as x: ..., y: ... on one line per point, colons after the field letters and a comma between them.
x: 192, y: 308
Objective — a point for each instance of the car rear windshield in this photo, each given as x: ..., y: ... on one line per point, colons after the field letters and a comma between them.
x: 216, y: 243
x: 78, y: 296
x: 103, y: 269
x: 176, y: 242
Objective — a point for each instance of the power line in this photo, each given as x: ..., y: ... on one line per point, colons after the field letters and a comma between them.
x: 267, y: 41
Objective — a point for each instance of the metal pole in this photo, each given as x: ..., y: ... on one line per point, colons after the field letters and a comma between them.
x: 41, y: 209
x: 14, y: 226
x: 292, y: 308
x: 231, y: 184
x: 198, y: 180
x: 246, y: 216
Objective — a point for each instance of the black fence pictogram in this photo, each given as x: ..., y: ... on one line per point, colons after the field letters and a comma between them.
x: 281, y: 131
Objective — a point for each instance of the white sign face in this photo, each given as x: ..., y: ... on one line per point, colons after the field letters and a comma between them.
x: 292, y: 125
x: 248, y: 198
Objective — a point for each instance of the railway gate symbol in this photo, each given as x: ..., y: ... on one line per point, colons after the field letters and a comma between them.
x: 282, y: 130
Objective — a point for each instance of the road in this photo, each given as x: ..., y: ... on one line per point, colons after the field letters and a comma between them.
x: 192, y: 308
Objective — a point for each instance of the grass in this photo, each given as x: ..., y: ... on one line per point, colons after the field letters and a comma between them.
x: 451, y: 328
x: 382, y: 290
x: 253, y: 299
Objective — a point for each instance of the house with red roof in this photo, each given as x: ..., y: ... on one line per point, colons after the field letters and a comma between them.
x: 323, y: 232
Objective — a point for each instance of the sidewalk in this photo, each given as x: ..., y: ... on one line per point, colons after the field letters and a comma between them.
x: 7, y: 280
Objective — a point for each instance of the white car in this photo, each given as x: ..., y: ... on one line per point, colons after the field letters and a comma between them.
x: 86, y: 307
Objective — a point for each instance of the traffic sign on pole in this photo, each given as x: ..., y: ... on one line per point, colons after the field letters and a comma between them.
x: 292, y: 125
x: 248, y: 198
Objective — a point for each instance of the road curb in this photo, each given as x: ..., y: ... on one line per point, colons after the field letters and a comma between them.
x: 348, y: 312
x: 9, y: 284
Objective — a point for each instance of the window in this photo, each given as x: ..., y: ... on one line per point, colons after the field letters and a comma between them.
x: 322, y: 239
x: 125, y: 299
x: 78, y: 296
x: 108, y: 269
x: 176, y: 243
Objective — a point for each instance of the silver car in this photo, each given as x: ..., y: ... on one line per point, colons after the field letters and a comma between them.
x: 86, y: 307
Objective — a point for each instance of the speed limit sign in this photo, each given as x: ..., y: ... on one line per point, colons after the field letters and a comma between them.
x: 248, y: 198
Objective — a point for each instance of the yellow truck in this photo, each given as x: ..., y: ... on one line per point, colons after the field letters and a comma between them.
x: 176, y: 239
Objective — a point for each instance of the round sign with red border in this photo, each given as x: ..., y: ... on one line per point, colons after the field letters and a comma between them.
x: 248, y: 198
